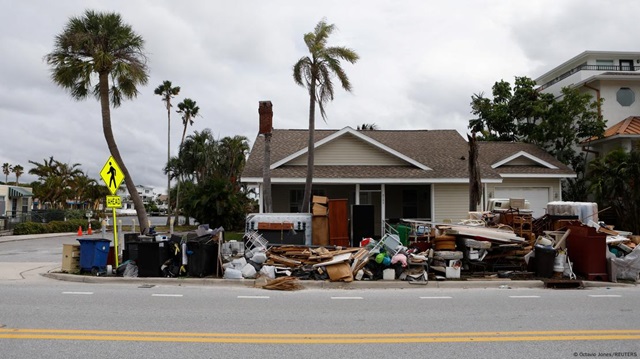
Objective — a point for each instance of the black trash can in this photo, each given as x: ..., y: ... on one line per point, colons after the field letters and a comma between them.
x: 544, y: 257
x: 149, y: 257
x: 202, y: 257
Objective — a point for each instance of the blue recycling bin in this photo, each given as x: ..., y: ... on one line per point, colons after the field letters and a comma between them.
x: 93, y: 254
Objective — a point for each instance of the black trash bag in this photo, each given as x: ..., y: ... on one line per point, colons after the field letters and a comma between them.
x: 127, y: 269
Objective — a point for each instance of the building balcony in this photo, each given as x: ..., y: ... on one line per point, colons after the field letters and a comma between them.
x: 593, y: 68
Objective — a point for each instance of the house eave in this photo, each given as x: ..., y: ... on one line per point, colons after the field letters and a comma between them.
x: 368, y: 180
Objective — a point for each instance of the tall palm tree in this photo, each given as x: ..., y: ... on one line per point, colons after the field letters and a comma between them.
x: 18, y: 171
x: 100, y: 45
x: 188, y: 109
x: 168, y: 92
x: 315, y: 72
x: 6, y: 169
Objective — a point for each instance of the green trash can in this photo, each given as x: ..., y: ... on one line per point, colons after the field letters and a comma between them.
x: 403, y: 233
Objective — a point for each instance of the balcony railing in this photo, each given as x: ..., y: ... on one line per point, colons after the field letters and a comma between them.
x: 588, y: 68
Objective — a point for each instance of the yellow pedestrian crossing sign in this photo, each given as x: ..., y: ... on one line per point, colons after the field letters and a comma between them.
x: 112, y: 175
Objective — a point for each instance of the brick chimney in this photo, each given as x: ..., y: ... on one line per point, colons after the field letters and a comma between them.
x: 266, y: 117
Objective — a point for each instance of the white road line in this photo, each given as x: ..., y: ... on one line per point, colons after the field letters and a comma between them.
x: 524, y: 296
x: 346, y: 298
x: 253, y: 297
x: 436, y: 297
x: 78, y: 293
x: 166, y: 295
x: 605, y: 295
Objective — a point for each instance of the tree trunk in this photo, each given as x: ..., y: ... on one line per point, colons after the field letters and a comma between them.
x: 113, y: 149
x: 475, y: 185
x: 310, y: 151
x: 177, y: 217
x: 266, y: 174
x: 168, y: 159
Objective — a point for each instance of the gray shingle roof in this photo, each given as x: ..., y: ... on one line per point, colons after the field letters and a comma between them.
x: 444, y: 151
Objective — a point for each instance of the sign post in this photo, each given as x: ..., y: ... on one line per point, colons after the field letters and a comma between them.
x: 113, y: 177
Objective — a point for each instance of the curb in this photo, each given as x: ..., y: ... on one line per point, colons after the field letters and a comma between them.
x: 313, y: 284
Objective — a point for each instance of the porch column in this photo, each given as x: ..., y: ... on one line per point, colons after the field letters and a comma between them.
x: 383, y: 208
x: 260, y: 199
x: 357, y: 193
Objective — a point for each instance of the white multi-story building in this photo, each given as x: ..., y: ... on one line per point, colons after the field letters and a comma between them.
x: 613, y: 76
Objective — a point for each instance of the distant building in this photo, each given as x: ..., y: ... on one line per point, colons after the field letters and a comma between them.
x: 15, y: 204
x: 613, y: 76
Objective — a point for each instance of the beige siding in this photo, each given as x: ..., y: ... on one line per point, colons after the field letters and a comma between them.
x: 349, y: 150
x: 451, y: 201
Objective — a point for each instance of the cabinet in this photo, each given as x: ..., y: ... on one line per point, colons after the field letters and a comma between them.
x: 338, y: 223
x: 71, y: 258
x: 587, y: 249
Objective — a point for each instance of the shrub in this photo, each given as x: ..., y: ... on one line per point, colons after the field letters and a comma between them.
x: 29, y: 228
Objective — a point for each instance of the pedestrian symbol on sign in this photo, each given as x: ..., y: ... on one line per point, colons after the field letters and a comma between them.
x: 112, y: 175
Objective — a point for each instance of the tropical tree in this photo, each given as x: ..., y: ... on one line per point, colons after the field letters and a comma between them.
x: 167, y: 92
x: 101, y: 45
x: 56, y: 180
x: 315, y: 72
x: 189, y: 110
x: 6, y: 169
x: 615, y: 181
x: 558, y: 125
x: 18, y: 171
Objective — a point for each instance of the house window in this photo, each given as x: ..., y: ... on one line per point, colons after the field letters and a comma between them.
x: 625, y: 96
x: 605, y: 65
x: 25, y: 205
x: 3, y: 206
x: 296, y: 196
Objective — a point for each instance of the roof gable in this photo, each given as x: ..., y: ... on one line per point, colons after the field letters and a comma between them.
x: 523, y: 158
x: 385, y: 155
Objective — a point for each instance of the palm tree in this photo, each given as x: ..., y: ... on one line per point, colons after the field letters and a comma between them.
x: 101, y: 45
x: 6, y: 169
x: 189, y: 110
x: 18, y: 171
x: 168, y: 92
x: 317, y: 71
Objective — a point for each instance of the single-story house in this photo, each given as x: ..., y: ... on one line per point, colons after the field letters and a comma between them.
x: 624, y: 134
x: 417, y: 174
x: 15, y: 203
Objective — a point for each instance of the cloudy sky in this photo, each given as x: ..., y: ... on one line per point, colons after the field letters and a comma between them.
x: 421, y: 61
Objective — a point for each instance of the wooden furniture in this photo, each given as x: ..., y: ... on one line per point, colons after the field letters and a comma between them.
x: 338, y: 222
x: 71, y: 258
x: 587, y: 250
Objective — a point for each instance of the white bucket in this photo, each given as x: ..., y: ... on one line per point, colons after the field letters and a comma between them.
x: 558, y: 265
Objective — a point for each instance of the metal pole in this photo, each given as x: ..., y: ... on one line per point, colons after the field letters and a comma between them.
x: 115, y: 237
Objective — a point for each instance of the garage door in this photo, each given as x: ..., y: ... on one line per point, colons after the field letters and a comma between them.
x: 538, y: 197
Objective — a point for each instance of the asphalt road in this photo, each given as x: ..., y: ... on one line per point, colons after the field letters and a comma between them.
x: 43, y: 317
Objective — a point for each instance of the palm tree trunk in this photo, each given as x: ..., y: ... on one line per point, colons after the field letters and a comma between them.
x: 168, y: 159
x: 184, y: 132
x: 310, y: 151
x: 113, y: 149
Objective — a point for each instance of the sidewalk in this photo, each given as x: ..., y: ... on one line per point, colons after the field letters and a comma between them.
x: 24, y: 237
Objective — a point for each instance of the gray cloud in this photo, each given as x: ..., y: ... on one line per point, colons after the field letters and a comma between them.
x: 420, y: 63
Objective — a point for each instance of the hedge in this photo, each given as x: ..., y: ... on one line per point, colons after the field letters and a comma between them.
x: 54, y: 227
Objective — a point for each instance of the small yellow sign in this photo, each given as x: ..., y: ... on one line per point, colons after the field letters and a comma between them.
x: 114, y: 202
x: 112, y: 175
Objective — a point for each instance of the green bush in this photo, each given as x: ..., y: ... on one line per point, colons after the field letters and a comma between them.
x: 54, y: 227
x: 29, y: 228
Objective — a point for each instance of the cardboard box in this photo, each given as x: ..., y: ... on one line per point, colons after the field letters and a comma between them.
x: 339, y: 272
x: 320, y: 199
x: 320, y: 209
